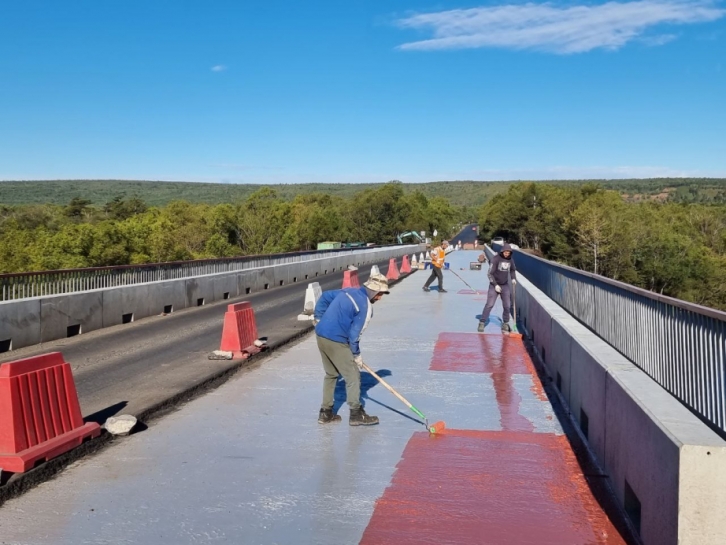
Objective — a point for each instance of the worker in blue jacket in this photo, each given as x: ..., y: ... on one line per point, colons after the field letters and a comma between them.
x: 341, y: 317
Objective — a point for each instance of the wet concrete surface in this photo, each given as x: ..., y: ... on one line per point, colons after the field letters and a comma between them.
x: 248, y: 463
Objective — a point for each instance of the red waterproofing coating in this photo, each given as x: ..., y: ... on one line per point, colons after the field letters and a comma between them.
x: 480, y: 353
x: 392, y: 273
x: 40, y: 417
x: 488, y: 487
x: 499, y: 355
x: 350, y: 279
x: 240, y: 330
x: 405, y: 265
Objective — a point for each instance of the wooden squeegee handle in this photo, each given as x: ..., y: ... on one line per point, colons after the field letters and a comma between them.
x: 387, y: 386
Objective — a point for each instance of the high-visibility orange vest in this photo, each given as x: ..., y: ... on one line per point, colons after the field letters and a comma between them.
x: 437, y: 257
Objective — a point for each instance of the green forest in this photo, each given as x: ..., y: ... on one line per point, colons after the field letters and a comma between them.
x: 458, y: 193
x: 130, y: 231
x: 665, y: 235
x: 672, y: 248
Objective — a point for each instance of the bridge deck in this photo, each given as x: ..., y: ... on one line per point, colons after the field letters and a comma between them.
x: 248, y: 463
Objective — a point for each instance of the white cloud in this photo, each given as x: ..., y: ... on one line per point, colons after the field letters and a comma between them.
x: 660, y: 39
x: 219, y: 68
x: 547, y: 27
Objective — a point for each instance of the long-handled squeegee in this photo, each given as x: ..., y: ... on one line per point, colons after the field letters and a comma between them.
x: 436, y: 427
x: 464, y: 281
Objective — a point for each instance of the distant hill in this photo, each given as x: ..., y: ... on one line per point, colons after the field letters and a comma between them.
x: 462, y: 193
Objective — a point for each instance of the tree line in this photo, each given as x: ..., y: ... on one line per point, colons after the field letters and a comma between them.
x: 676, y: 249
x: 128, y: 231
x: 459, y: 193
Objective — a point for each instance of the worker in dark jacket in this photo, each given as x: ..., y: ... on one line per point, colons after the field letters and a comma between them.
x: 341, y: 316
x: 501, y: 269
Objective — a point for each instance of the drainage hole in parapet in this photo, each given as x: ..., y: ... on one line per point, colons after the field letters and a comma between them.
x: 584, y: 424
x: 127, y: 318
x: 73, y: 330
x: 632, y: 506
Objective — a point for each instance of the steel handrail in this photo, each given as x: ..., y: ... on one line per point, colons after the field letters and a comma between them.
x: 15, y: 286
x: 680, y: 345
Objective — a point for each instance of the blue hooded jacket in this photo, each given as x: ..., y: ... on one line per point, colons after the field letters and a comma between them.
x: 343, y: 315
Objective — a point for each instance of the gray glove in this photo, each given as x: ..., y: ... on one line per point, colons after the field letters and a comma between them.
x: 359, y: 361
x: 514, y: 282
x: 498, y: 288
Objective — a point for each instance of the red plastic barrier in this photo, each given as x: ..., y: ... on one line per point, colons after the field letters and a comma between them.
x: 405, y: 265
x: 240, y: 331
x: 40, y: 417
x: 392, y: 273
x: 350, y: 279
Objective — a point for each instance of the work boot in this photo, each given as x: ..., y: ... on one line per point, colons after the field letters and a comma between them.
x: 358, y: 417
x: 426, y: 288
x: 327, y: 415
x: 506, y: 328
x: 480, y: 329
x: 442, y: 290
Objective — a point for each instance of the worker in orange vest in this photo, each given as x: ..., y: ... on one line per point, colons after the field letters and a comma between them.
x: 438, y: 256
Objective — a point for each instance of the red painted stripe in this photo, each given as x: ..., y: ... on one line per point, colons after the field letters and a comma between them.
x: 477, y: 353
x: 494, y: 488
x: 498, y: 355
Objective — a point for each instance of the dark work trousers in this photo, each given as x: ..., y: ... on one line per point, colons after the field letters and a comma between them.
x: 435, y: 273
x: 492, y: 298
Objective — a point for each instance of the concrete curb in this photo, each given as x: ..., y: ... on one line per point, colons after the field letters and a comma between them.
x: 597, y: 477
x: 664, y: 465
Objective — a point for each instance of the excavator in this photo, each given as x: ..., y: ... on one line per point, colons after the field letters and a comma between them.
x: 412, y: 235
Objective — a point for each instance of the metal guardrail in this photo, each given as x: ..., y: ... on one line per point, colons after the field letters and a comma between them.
x: 16, y: 286
x: 681, y: 345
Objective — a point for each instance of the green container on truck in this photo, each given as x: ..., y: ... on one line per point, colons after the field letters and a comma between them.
x: 328, y: 245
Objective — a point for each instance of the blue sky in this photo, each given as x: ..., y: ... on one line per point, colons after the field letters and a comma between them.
x: 361, y: 90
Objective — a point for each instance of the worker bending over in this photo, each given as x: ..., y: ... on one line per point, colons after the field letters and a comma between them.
x: 341, y: 317
x: 438, y: 257
x: 501, y: 268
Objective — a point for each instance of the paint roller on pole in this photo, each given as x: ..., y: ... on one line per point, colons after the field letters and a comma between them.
x: 436, y: 427
x: 465, y: 282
